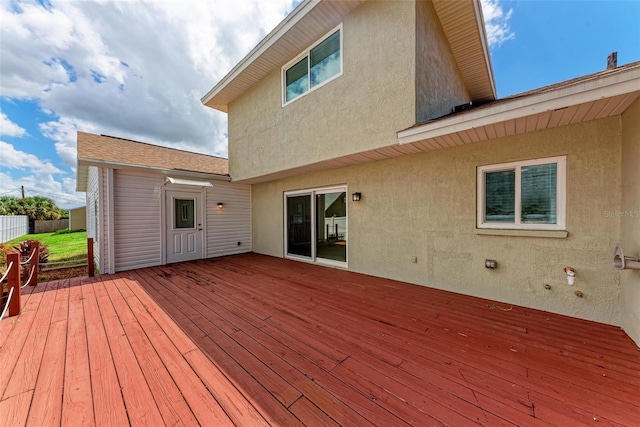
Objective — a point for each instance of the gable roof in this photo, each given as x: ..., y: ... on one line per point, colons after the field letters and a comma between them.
x: 461, y: 21
x: 103, y: 150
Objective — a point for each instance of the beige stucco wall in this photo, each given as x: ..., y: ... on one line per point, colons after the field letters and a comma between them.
x: 358, y: 111
x: 630, y: 219
x: 424, y: 205
x: 439, y: 84
x: 78, y: 218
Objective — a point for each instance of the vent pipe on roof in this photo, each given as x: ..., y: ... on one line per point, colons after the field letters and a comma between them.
x: 612, y: 60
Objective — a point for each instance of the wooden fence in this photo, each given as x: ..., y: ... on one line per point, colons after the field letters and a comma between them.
x: 49, y: 226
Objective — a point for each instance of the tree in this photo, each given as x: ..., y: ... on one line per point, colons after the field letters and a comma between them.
x: 36, y: 208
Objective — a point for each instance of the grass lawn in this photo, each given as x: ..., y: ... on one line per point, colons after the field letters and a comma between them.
x: 62, y: 246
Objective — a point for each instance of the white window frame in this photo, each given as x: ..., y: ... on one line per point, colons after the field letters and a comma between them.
x: 306, y: 53
x: 561, y: 194
x: 313, y: 258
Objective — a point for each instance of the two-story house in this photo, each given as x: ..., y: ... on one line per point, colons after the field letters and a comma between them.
x: 373, y: 141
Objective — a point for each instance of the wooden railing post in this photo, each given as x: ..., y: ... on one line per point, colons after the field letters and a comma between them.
x: 90, y: 257
x: 35, y: 263
x: 13, y: 280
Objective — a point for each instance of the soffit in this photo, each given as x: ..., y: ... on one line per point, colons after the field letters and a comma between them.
x: 463, y: 25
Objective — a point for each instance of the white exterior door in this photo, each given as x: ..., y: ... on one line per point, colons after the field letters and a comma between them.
x: 184, y: 226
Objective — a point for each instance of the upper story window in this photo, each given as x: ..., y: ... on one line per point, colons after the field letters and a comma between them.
x: 319, y: 64
x: 523, y: 195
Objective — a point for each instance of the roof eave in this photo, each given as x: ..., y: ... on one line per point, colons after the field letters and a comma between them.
x: 627, y: 81
x: 86, y: 162
x: 285, y: 25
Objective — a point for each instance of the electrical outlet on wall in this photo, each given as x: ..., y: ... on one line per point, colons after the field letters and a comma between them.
x: 490, y: 263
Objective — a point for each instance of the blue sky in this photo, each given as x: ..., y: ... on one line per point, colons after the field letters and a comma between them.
x: 138, y: 69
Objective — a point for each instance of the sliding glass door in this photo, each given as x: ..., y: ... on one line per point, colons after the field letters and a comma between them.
x: 316, y: 225
x: 299, y: 241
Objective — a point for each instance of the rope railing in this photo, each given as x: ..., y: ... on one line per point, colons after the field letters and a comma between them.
x: 6, y: 306
x: 28, y: 261
x: 6, y: 273
x: 12, y: 276
x: 34, y: 267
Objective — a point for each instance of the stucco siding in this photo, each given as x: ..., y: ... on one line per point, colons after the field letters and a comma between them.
x: 424, y: 205
x: 360, y: 110
x: 137, y: 222
x: 439, y: 85
x: 630, y: 219
x: 230, y: 225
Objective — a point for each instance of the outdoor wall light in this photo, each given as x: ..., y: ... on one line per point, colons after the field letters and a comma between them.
x: 356, y: 197
x: 220, y: 205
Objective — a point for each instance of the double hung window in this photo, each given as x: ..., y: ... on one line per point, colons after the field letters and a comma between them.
x: 523, y: 195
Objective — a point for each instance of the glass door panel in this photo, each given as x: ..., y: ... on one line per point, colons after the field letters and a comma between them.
x: 299, y: 242
x: 331, y: 226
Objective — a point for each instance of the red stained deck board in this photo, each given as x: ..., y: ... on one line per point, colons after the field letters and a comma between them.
x: 14, y: 410
x: 108, y: 405
x: 170, y: 401
x: 310, y: 414
x: 269, y: 407
x: 239, y: 411
x: 513, y: 357
x: 25, y: 371
x: 17, y: 335
x: 46, y: 407
x: 267, y: 404
x: 77, y: 403
x: 203, y: 405
x: 239, y: 323
x: 274, y: 383
x: 138, y: 399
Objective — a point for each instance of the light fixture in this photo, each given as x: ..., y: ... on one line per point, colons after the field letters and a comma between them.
x: 220, y: 205
x: 356, y: 197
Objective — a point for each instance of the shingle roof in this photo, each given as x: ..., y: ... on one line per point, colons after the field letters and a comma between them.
x: 110, y: 149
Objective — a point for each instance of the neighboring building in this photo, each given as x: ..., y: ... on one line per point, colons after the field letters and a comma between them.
x: 357, y: 97
x: 78, y: 218
x: 149, y: 205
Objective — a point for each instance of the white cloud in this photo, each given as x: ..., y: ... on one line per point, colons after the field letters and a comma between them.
x: 16, y: 159
x: 42, y: 185
x: 9, y: 128
x: 496, y: 21
x: 135, y: 69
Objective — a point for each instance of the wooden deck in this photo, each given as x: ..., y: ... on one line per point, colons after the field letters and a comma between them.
x: 254, y: 340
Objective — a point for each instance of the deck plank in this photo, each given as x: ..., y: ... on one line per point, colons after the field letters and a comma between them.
x: 14, y: 410
x: 138, y: 400
x: 253, y: 340
x: 46, y: 408
x: 77, y: 403
x: 178, y: 391
x: 24, y: 374
x: 108, y: 406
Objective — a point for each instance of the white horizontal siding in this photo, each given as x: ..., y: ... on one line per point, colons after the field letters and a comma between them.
x: 231, y: 224
x: 93, y: 209
x: 137, y: 220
